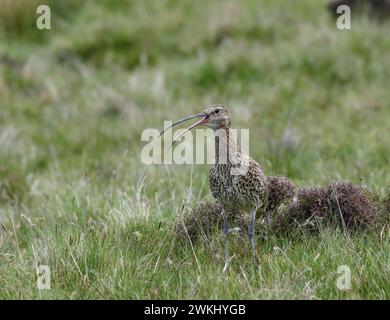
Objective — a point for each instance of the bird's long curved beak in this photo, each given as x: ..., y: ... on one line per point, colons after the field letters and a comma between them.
x: 204, y: 118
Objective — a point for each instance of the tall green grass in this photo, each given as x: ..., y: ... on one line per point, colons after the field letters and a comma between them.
x: 74, y: 101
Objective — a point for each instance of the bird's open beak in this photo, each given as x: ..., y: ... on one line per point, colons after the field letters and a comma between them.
x: 204, y: 118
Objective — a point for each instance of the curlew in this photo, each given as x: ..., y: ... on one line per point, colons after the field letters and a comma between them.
x: 236, y: 180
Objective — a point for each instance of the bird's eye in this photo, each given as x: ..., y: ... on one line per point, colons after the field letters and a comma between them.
x: 216, y: 111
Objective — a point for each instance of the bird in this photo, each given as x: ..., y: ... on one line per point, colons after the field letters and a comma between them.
x: 236, y: 180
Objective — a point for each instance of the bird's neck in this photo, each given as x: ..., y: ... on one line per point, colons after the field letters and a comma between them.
x: 227, y: 151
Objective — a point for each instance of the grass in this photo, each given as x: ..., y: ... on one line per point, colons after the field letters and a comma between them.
x: 74, y: 101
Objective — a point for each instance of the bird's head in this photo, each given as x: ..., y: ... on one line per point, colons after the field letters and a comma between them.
x: 215, y: 117
x: 218, y: 117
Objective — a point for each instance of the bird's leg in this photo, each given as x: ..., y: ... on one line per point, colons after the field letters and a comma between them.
x: 225, y: 233
x: 251, y: 230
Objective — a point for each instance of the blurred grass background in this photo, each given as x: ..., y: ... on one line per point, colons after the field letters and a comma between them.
x: 75, y: 99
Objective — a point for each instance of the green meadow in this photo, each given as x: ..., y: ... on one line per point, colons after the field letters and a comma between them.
x: 74, y: 101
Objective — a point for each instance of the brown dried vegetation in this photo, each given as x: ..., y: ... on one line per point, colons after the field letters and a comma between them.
x: 340, y: 204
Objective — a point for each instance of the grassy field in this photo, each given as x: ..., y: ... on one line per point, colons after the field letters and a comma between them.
x: 74, y: 100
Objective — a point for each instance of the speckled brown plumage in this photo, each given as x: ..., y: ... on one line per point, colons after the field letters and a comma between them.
x: 244, y: 189
x: 249, y: 191
x: 236, y: 180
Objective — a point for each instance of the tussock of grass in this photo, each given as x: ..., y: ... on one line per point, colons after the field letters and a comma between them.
x: 206, y: 216
x: 353, y: 205
x: 281, y: 191
x: 340, y: 204
x: 307, y: 210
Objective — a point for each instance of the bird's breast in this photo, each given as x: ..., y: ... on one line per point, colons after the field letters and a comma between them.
x: 226, y: 188
x: 242, y: 191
